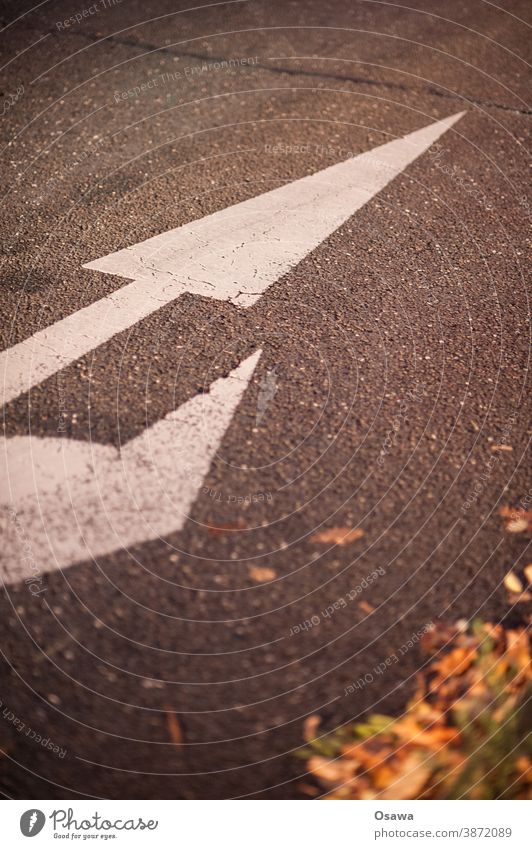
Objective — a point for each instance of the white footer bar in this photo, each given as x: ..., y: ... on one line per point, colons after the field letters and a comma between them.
x: 267, y: 824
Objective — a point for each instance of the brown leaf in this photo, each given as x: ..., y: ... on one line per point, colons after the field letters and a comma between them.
x: 331, y: 772
x: 525, y: 767
x: 308, y: 789
x: 516, y: 598
x: 410, y: 783
x: 310, y: 727
x: 368, y: 753
x: 338, y: 536
x: 174, y: 726
x: 518, y: 648
x: 225, y: 527
x: 453, y: 663
x: 262, y: 573
x: 366, y: 606
x: 496, y: 448
x: 528, y: 573
x: 432, y: 738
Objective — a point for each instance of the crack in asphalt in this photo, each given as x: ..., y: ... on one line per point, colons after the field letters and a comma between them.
x: 346, y: 78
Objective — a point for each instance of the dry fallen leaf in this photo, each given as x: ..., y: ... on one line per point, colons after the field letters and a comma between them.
x: 174, y: 727
x: 262, y: 573
x: 409, y: 784
x: 517, y: 519
x: 516, y: 598
x: 310, y: 727
x: 366, y: 606
x: 453, y: 663
x: 525, y: 767
x: 512, y: 582
x: 338, y: 536
x: 330, y: 772
x: 308, y: 789
x: 496, y: 448
x: 528, y: 573
x: 225, y: 528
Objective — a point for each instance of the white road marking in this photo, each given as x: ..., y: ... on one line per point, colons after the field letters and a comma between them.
x: 69, y: 501
x: 232, y: 255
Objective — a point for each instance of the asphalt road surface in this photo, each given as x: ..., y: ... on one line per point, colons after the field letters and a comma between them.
x: 349, y: 351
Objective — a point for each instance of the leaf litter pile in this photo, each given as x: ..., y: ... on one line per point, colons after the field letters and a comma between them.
x: 463, y: 735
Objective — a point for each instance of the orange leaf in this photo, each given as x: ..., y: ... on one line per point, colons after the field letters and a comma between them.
x: 338, y: 536
x: 410, y: 783
x: 174, y: 726
x: 383, y: 776
x: 368, y: 754
x: 225, y: 528
x: 518, y: 649
x: 262, y: 573
x: 455, y: 662
x: 310, y: 727
x: 331, y: 772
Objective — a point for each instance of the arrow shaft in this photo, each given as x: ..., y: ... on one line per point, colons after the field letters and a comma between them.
x: 232, y: 255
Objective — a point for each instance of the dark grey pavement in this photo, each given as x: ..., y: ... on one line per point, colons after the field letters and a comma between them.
x: 400, y: 346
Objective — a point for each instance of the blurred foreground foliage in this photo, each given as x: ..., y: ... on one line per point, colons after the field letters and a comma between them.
x: 466, y: 733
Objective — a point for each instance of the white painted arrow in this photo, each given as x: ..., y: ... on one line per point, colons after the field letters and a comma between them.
x: 68, y: 501
x: 232, y: 255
